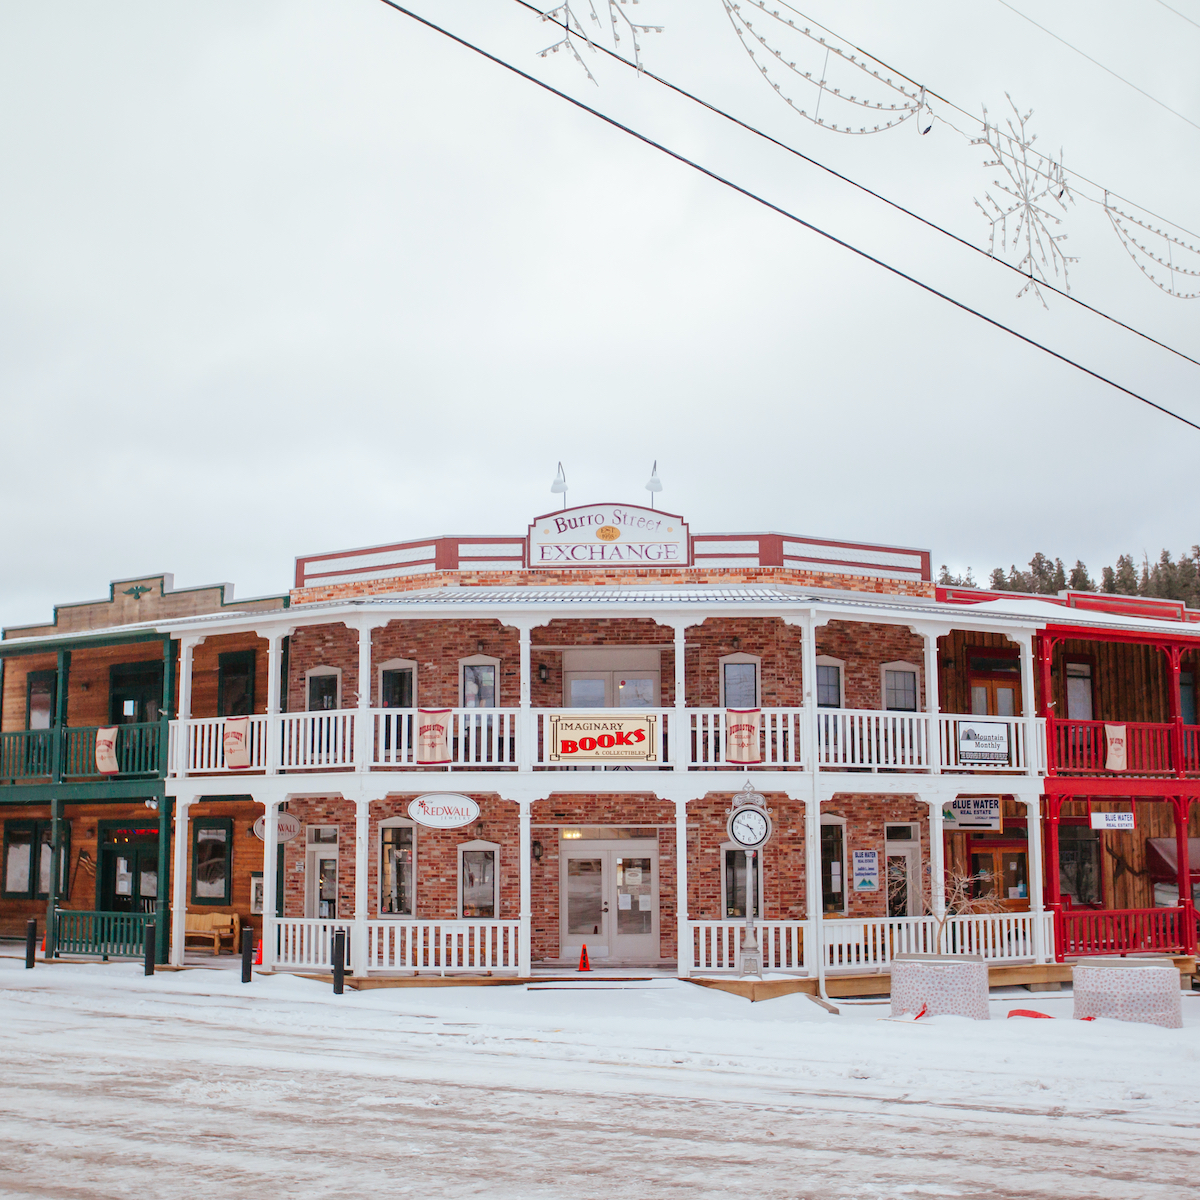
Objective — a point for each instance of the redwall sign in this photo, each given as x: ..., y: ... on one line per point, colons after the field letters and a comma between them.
x: 443, y: 810
x: 608, y: 535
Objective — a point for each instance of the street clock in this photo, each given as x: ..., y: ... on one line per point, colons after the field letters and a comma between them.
x: 749, y: 823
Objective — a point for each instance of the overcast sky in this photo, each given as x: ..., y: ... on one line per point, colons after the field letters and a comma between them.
x: 286, y: 277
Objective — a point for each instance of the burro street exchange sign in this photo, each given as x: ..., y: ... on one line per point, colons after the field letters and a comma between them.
x: 608, y: 535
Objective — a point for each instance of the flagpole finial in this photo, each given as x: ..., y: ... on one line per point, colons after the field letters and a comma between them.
x: 653, y: 484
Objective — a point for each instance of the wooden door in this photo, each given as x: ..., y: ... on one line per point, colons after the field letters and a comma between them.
x: 1002, y: 873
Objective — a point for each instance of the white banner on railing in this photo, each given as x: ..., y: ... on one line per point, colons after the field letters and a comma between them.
x: 236, y: 740
x: 106, y: 751
x: 1115, y: 759
x: 433, y: 735
x: 741, y: 736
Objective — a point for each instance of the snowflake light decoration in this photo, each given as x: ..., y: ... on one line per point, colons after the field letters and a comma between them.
x: 1169, y: 251
x: 617, y: 21
x: 1033, y: 182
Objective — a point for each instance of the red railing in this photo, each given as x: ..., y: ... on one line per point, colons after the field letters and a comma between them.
x: 1082, y: 932
x: 1081, y: 747
x: 1191, y: 749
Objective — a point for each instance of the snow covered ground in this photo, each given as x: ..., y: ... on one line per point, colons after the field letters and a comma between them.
x: 193, y: 1085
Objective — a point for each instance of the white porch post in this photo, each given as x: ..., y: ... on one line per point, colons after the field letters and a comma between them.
x: 683, y: 937
x: 364, y: 732
x: 1035, y: 753
x: 270, y: 900
x: 1037, y: 900
x: 814, y: 953
x: 274, y: 638
x: 362, y: 868
x: 525, y: 948
x: 183, y: 741
x: 179, y: 879
x: 681, y: 734
x: 526, y: 732
x: 937, y: 856
x: 933, y: 701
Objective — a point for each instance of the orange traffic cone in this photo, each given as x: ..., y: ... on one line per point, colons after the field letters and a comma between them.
x: 584, y: 965
x: 258, y: 954
x: 43, y: 945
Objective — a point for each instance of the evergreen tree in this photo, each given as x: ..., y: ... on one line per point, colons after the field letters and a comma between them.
x: 1108, y: 580
x: 1125, y: 581
x: 1080, y: 580
x: 998, y: 581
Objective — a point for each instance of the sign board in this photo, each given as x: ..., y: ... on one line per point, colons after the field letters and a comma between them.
x: 972, y: 812
x: 106, y: 751
x: 1113, y: 820
x: 1116, y: 748
x: 588, y: 737
x: 608, y: 535
x: 235, y: 742
x: 443, y: 810
x: 741, y: 736
x: 289, y: 828
x: 433, y: 735
x: 983, y: 742
x: 866, y: 870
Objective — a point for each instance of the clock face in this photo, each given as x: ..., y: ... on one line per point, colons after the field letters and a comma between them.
x: 749, y: 827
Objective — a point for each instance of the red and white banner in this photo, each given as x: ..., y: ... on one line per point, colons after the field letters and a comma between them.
x: 433, y: 735
x: 741, y: 735
x: 236, y: 740
x: 106, y: 751
x: 1115, y: 759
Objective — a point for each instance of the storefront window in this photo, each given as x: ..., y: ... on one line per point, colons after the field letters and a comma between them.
x: 396, y: 871
x: 734, y: 883
x: 479, y: 884
x: 833, y: 859
x: 20, y: 838
x: 212, y: 851
x: 1079, y: 863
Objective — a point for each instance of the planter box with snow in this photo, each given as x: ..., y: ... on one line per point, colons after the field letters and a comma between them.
x: 941, y: 984
x: 1129, y: 989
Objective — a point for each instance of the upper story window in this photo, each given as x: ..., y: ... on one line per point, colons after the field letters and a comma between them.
x: 739, y: 680
x: 1079, y: 691
x: 479, y: 679
x: 324, y: 688
x: 41, y: 692
x: 1187, y: 697
x: 611, y: 677
x: 398, y: 684
x: 235, y: 684
x: 135, y: 692
x: 900, y: 687
x: 830, y: 693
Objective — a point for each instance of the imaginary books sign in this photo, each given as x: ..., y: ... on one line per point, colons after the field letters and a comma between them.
x: 597, y: 536
x: 604, y: 738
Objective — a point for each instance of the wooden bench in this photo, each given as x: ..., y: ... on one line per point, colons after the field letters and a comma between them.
x: 213, y: 927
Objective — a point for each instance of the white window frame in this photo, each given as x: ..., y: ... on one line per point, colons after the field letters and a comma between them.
x: 475, y: 660
x: 762, y: 882
x: 312, y: 852
x: 756, y: 660
x: 394, y: 823
x: 323, y: 671
x: 464, y: 847
x: 395, y: 664
x: 915, y: 669
x: 830, y: 819
x: 827, y: 660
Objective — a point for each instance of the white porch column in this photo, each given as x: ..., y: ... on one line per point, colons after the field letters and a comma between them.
x: 681, y: 734
x: 937, y: 857
x: 274, y: 638
x: 364, y: 730
x: 814, y: 950
x: 1035, y: 750
x: 683, y: 937
x: 362, y: 879
x: 270, y: 900
x: 525, y: 948
x: 1037, y: 899
x: 179, y: 880
x: 183, y: 742
x: 933, y: 701
x: 526, y: 732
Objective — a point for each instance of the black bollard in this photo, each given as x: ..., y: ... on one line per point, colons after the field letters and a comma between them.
x: 247, y: 954
x: 339, y: 962
x: 30, y: 943
x: 149, y: 947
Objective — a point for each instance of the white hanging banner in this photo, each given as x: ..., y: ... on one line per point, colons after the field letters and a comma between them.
x: 741, y: 736
x: 106, y: 751
x: 1115, y: 759
x: 433, y: 735
x: 236, y: 742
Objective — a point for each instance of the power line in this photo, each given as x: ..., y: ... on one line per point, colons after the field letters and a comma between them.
x: 783, y: 212
x: 860, y: 186
x: 1096, y: 62
x: 1179, y: 14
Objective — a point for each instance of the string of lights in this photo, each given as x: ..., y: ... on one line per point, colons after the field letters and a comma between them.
x: 783, y: 212
x: 759, y: 133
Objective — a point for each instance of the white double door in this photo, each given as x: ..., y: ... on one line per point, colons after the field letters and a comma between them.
x: 609, y: 893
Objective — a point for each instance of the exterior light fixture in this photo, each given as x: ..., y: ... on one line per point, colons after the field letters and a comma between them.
x: 737, y: 643
x: 559, y: 486
x: 653, y: 484
x: 536, y: 849
x: 543, y: 673
x: 479, y: 646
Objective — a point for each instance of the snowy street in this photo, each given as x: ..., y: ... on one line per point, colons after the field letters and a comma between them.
x: 192, y: 1084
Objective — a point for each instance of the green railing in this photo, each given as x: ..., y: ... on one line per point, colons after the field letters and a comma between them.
x: 105, y: 934
x: 28, y: 754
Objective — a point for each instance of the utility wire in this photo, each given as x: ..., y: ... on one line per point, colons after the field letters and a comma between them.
x: 720, y: 112
x: 1179, y: 14
x: 783, y: 212
x: 971, y: 117
x: 1096, y: 62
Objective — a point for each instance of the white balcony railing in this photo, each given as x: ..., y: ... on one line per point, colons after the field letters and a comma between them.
x: 717, y: 945
x: 306, y: 943
x: 446, y: 947
x: 495, y: 738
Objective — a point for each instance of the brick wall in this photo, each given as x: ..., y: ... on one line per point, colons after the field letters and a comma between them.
x: 864, y: 648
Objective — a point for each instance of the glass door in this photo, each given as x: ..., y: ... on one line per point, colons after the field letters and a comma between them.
x: 610, y: 902
x: 129, y: 877
x: 903, y: 897
x: 1001, y: 874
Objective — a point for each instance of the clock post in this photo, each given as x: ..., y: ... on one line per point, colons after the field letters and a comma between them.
x: 749, y: 824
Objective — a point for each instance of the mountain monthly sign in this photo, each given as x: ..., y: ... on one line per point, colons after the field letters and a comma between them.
x: 608, y: 535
